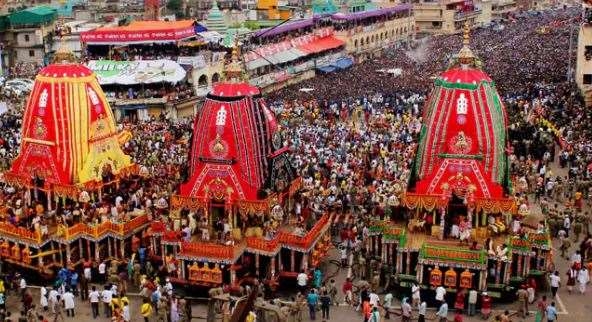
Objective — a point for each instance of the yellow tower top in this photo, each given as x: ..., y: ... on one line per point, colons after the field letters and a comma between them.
x: 233, y: 71
x: 465, y: 55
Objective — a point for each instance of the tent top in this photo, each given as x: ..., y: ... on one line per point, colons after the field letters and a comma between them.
x: 142, y: 32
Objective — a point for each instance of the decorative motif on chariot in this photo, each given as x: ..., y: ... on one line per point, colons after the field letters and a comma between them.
x: 218, y: 147
x: 461, y: 105
x: 43, y: 102
x: 40, y: 129
x: 460, y: 143
x: 218, y: 189
x: 221, y: 116
x: 94, y: 98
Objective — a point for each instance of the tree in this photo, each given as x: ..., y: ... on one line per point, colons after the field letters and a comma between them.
x: 176, y: 7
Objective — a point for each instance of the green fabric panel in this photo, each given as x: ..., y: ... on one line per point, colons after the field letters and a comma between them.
x: 467, y: 86
x: 33, y: 16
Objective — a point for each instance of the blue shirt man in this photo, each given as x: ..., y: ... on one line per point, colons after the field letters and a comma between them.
x: 551, y: 312
x: 312, y: 299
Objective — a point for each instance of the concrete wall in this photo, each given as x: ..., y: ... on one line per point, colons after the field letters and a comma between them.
x: 583, y: 74
x: 360, y: 40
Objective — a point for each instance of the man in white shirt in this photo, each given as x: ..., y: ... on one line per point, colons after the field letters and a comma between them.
x: 415, y: 295
x: 68, y: 299
x: 302, y: 280
x: 440, y: 293
x: 472, y: 302
x: 107, y: 296
x: 52, y: 298
x: 125, y: 312
x: 102, y: 272
x: 93, y: 297
x: 422, y: 311
x: 374, y: 299
x: 22, y: 286
x: 88, y: 273
x: 442, y: 313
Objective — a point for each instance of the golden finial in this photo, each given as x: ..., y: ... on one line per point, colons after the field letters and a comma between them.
x: 63, y: 54
x: 466, y: 34
x: 233, y: 71
x: 466, y: 56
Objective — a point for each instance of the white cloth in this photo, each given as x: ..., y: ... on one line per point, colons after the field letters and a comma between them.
x: 415, y: 292
x: 102, y: 268
x: 440, y: 292
x: 555, y: 280
x: 374, y: 299
x: 88, y: 273
x: 302, y: 279
x: 473, y: 297
x: 126, y: 313
x: 43, y: 297
x: 68, y: 298
x: 93, y: 296
x: 107, y: 296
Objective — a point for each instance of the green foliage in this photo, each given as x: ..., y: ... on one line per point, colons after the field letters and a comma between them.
x: 175, y: 6
x: 252, y: 24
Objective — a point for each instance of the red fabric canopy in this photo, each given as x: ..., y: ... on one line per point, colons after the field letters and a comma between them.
x: 141, y: 31
x: 321, y: 45
x: 462, y: 145
x: 234, y: 90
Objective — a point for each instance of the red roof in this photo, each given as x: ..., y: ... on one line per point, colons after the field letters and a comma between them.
x: 234, y: 90
x: 65, y: 70
x: 141, y: 31
x: 321, y: 45
x: 469, y: 75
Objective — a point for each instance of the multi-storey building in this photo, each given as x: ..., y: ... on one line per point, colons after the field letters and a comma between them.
x: 449, y: 16
x: 583, y: 74
x: 29, y: 35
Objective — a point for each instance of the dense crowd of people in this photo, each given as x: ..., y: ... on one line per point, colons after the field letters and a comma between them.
x: 353, y: 138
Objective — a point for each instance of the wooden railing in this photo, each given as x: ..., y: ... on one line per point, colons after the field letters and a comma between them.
x: 262, y: 244
x: 104, y: 228
x: 201, y: 249
x: 306, y: 241
x: 19, y: 232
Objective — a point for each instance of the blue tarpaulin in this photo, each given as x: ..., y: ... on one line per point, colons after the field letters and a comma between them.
x: 326, y: 69
x: 343, y: 63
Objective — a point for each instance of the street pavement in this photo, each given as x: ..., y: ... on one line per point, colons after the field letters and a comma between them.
x: 574, y: 307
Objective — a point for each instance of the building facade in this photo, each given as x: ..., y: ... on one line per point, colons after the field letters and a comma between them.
x: 502, y: 9
x: 365, y: 38
x: 583, y: 73
x: 449, y: 16
x: 30, y: 35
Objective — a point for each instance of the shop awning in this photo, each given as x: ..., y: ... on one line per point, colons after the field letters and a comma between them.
x: 327, y: 69
x: 277, y: 58
x: 257, y: 63
x: 321, y: 44
x: 137, y: 72
x: 286, y: 56
x: 343, y: 63
x: 142, y: 32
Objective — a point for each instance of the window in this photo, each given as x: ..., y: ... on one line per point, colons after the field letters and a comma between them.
x: 27, y: 38
x: 215, y: 78
x: 31, y: 53
x: 588, y: 52
x: 587, y: 79
x: 202, y: 81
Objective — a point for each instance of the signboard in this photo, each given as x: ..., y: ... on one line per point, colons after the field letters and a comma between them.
x: 114, y: 35
x: 196, y: 61
x: 137, y: 72
x: 452, y: 254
